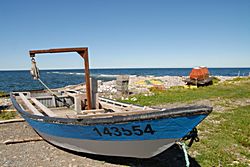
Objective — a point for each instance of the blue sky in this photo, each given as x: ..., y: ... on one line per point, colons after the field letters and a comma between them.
x: 126, y: 33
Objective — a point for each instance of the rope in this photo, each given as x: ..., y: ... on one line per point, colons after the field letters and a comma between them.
x: 36, y: 75
x: 184, y: 148
x: 46, y: 86
x: 53, y: 94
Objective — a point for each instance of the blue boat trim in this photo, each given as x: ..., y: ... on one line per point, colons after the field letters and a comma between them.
x: 167, y: 128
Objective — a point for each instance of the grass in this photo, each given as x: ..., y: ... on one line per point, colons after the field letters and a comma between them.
x: 224, y: 135
x: 226, y: 143
x: 2, y: 94
x: 5, y: 115
x: 238, y: 88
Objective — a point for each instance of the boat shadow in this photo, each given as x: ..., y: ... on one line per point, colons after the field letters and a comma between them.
x: 172, y: 157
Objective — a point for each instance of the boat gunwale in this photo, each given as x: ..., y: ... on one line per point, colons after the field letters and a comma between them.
x: 162, y: 113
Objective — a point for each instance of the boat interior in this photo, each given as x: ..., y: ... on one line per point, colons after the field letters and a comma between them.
x: 73, y: 104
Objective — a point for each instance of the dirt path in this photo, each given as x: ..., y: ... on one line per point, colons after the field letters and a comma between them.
x: 41, y: 153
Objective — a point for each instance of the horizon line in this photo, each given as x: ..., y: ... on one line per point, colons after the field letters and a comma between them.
x: 110, y: 68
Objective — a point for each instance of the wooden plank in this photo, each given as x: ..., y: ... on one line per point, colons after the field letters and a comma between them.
x: 94, y: 90
x: 78, y: 98
x: 113, y: 107
x: 50, y: 97
x: 29, y: 105
x: 16, y: 141
x: 57, y: 50
x: 44, y: 108
x: 125, y: 113
x: 92, y: 111
x: 12, y: 121
x: 118, y: 103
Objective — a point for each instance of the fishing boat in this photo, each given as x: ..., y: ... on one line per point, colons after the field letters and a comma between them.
x: 81, y: 121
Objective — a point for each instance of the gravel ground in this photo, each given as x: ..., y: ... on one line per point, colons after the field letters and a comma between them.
x: 41, y: 153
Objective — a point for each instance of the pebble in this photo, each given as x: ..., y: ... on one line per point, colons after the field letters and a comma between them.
x: 236, y: 162
x: 167, y: 82
x: 133, y: 99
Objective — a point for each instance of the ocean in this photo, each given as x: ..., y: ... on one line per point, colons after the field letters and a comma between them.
x: 22, y: 80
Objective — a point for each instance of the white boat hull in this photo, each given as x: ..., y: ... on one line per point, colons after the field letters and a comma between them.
x: 138, y: 149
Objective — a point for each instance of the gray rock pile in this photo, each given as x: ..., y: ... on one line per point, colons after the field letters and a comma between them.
x: 139, y: 84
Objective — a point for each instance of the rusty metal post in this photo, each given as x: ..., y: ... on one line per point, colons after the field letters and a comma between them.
x: 84, y: 55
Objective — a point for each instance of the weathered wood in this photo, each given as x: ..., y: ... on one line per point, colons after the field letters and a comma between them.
x: 78, y: 103
x: 43, y: 108
x: 94, y: 90
x: 118, y: 103
x: 104, y: 115
x: 122, y: 82
x: 120, y: 112
x: 92, y: 111
x: 12, y: 121
x: 63, y: 112
x: 50, y: 97
x: 29, y: 105
x: 53, y: 101
x: 58, y: 50
x: 9, y: 110
x: 78, y: 98
x: 113, y: 107
x: 16, y: 141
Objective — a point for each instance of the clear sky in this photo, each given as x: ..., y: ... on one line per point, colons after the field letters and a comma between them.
x: 126, y: 33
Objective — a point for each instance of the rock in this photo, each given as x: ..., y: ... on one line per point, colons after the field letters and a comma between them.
x: 236, y: 162
x: 133, y: 99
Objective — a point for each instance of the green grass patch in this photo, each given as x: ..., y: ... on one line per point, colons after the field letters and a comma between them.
x: 226, y: 143
x: 215, y: 80
x: 4, y: 115
x: 233, y: 89
x: 239, y: 79
x: 2, y: 94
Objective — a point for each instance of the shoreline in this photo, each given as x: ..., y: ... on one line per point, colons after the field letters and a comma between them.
x: 137, y: 85
x: 169, y: 81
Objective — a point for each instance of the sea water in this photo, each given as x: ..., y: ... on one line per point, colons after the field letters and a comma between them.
x: 22, y: 80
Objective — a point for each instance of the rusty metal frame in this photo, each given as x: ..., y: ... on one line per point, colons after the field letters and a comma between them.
x: 83, y: 52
